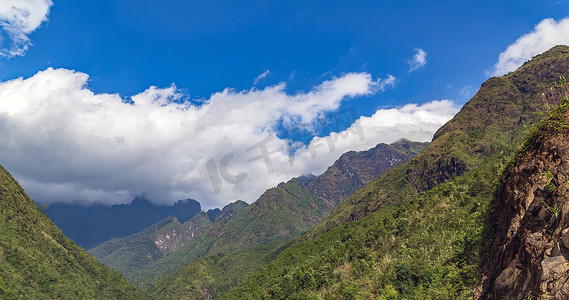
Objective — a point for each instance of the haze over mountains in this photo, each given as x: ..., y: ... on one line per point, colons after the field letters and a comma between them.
x: 91, y: 225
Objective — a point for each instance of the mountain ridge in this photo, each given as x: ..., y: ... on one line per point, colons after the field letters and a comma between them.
x: 90, y: 226
x: 417, y: 230
x: 294, y: 193
x: 479, y: 120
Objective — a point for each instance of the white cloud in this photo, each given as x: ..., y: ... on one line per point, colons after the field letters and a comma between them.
x: 261, y: 76
x: 65, y: 143
x: 412, y: 121
x: 419, y: 60
x: 19, y: 18
x: 390, y: 81
x: 546, y: 34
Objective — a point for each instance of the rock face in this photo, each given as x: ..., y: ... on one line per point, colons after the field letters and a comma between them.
x: 174, y: 238
x: 530, y: 252
x: 127, y: 254
x: 354, y: 169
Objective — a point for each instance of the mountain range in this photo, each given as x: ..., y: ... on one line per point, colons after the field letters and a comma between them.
x: 480, y: 212
x: 424, y: 228
x: 89, y: 226
x: 281, y: 213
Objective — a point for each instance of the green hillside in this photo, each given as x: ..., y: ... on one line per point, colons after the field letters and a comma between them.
x: 128, y: 254
x: 217, y: 274
x: 489, y: 125
x: 416, y: 232
x: 38, y: 262
x: 280, y: 213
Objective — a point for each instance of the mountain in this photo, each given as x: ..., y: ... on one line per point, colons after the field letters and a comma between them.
x: 216, y: 215
x: 280, y: 214
x: 528, y: 256
x: 133, y: 253
x: 230, y: 210
x: 354, y: 169
x: 151, y: 244
x: 89, y: 226
x: 420, y: 229
x: 38, y: 262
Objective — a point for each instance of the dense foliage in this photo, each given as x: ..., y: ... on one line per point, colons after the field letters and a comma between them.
x: 215, y: 275
x: 427, y: 247
x: 38, y: 262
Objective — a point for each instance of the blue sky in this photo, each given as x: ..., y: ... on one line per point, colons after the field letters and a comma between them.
x: 207, y: 47
x: 204, y: 47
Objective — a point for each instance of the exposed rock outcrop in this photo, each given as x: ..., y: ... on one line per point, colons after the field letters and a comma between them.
x: 529, y: 257
x: 174, y: 238
x: 354, y: 169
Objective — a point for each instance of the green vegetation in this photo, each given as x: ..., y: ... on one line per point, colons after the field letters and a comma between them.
x: 419, y: 231
x: 129, y: 254
x: 38, y: 262
x: 217, y: 274
x: 427, y: 247
x: 281, y: 213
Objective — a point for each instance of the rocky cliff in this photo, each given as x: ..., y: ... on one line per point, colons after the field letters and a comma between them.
x: 528, y: 258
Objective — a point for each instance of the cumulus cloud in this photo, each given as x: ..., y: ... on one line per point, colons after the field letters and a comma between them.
x: 65, y: 143
x: 419, y: 60
x: 19, y: 18
x: 545, y: 35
